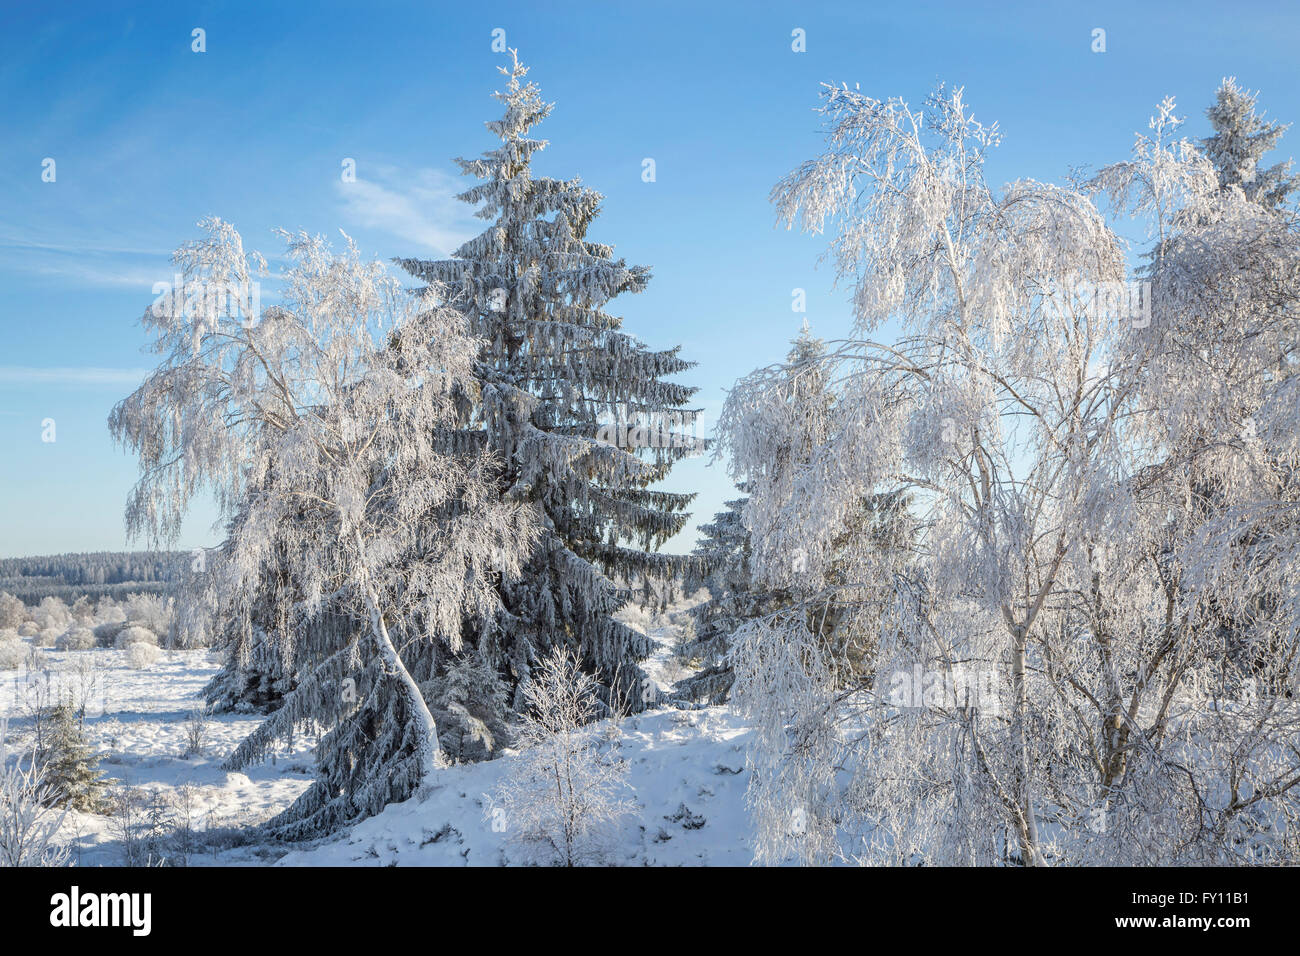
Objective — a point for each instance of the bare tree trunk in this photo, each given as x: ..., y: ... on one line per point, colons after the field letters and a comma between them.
x: 1029, y: 842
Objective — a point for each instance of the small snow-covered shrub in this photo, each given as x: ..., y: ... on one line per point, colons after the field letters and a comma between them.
x: 82, y: 610
x: 8, y: 634
x: 141, y: 655
x: 52, y: 612
x: 567, y: 790
x: 149, y: 610
x: 29, y: 629
x: 12, y: 611
x: 48, y: 637
x: 133, y: 634
x: 13, y: 653
x: 82, y: 683
x: 197, y: 728
x: 106, y: 633
x: 29, y: 834
x: 76, y: 638
x: 109, y: 613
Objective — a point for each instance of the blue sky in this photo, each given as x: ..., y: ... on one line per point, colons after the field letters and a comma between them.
x: 148, y: 137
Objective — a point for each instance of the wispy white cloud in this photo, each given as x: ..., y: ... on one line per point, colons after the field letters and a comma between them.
x: 80, y: 260
x: 70, y: 375
x: 18, y: 239
x: 420, y: 207
x: 134, y: 277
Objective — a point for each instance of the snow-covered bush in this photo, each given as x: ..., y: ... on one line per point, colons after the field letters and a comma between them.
x: 29, y: 822
x: 83, y: 611
x: 106, y: 633
x: 197, y: 728
x: 567, y: 790
x: 637, y: 616
x: 143, y: 826
x: 149, y: 610
x: 134, y: 634
x: 76, y: 638
x: 48, y: 637
x: 141, y: 655
x: 29, y: 628
x: 52, y: 612
x: 106, y: 612
x: 188, y: 629
x: 13, y: 653
x: 12, y: 611
x: 82, y: 681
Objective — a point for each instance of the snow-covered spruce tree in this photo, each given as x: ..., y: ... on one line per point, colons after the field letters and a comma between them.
x: 1241, y: 139
x: 471, y: 704
x: 1041, y: 686
x: 321, y: 426
x: 722, y: 568
x: 258, y: 668
x: 68, y: 763
x: 253, y: 677
x: 723, y: 565
x: 577, y: 411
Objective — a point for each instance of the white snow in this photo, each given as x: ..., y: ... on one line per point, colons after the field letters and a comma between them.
x: 686, y: 776
x: 136, y: 723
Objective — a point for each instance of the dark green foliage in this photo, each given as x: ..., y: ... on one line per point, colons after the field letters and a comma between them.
x: 578, y: 412
x: 71, y: 768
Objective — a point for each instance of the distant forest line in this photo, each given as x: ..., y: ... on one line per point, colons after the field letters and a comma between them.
x: 96, y: 574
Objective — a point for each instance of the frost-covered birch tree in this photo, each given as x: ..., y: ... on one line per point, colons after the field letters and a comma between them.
x: 1215, y: 373
x: 578, y: 412
x: 320, y: 424
x: 1038, y: 690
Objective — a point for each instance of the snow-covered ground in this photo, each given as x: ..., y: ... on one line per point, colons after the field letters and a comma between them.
x: 136, y: 723
x: 686, y: 776
x: 686, y: 770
